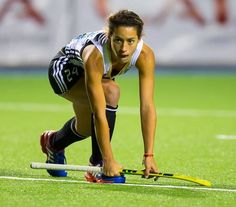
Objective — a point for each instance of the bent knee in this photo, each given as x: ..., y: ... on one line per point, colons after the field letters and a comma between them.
x: 111, y: 92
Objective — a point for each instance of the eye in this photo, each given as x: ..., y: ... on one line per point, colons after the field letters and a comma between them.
x: 117, y: 40
x: 131, y: 41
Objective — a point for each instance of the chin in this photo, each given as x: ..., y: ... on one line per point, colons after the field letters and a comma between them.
x: 125, y: 60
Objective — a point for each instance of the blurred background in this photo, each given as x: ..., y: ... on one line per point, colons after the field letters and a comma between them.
x: 182, y: 32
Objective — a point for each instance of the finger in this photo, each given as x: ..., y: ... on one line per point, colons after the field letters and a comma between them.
x: 154, y: 170
x: 146, y: 173
x: 117, y: 174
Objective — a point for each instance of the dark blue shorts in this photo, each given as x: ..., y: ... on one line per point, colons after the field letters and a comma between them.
x: 64, y: 71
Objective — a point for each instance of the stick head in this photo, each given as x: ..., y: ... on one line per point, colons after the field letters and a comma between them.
x: 115, y: 179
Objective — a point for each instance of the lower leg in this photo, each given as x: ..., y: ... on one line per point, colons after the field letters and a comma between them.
x: 96, y: 157
x: 65, y: 136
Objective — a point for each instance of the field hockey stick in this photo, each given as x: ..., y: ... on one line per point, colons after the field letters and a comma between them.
x: 37, y: 165
x: 168, y: 175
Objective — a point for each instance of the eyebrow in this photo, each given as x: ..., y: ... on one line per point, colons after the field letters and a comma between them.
x: 130, y: 38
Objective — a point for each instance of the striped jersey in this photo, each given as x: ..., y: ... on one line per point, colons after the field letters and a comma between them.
x: 100, y: 40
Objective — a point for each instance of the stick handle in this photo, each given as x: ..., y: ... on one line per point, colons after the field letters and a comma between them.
x: 38, y: 165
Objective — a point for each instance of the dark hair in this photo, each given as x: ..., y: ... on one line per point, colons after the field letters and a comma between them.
x: 125, y: 18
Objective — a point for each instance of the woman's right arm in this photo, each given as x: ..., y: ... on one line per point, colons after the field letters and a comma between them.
x: 93, y: 64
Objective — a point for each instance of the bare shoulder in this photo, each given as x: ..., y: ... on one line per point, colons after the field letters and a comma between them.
x: 146, y: 50
x: 91, y: 53
x: 146, y: 57
x: 93, y: 61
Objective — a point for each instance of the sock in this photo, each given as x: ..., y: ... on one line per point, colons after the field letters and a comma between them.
x: 96, y: 156
x: 66, y: 136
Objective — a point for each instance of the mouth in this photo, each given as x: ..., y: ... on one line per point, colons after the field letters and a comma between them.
x: 123, y: 56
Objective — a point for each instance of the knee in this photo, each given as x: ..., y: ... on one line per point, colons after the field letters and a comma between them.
x: 111, y: 92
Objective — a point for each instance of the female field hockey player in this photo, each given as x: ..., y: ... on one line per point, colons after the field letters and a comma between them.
x: 83, y: 72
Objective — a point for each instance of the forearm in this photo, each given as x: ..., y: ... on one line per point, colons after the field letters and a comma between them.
x: 148, y: 123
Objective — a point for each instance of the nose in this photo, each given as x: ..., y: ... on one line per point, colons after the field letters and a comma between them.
x: 124, y: 47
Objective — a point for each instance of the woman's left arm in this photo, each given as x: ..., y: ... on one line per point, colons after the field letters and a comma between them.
x: 146, y: 67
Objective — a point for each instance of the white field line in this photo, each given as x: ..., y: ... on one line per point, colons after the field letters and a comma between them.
x: 36, y: 107
x: 226, y: 137
x: 125, y: 184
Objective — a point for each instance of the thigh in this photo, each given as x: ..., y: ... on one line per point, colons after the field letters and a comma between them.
x: 77, y: 93
x: 78, y: 96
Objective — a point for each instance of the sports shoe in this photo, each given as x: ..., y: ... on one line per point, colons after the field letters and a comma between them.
x: 99, y: 177
x: 53, y: 156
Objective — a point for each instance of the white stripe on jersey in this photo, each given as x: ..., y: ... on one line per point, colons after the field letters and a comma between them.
x: 72, y: 52
x: 58, y: 73
x: 136, y: 53
x: 54, y: 76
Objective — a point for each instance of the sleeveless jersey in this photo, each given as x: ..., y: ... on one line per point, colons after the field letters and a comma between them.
x: 99, y: 40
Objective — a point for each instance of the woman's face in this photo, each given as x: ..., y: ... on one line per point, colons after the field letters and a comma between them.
x: 124, y: 41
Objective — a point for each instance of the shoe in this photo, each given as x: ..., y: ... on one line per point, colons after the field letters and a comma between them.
x: 53, y: 156
x: 99, y: 177
x: 94, y: 177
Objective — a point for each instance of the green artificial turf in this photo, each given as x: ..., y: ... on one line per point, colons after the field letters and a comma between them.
x: 192, y: 111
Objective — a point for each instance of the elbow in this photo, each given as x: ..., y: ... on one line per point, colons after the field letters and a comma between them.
x: 148, y: 108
